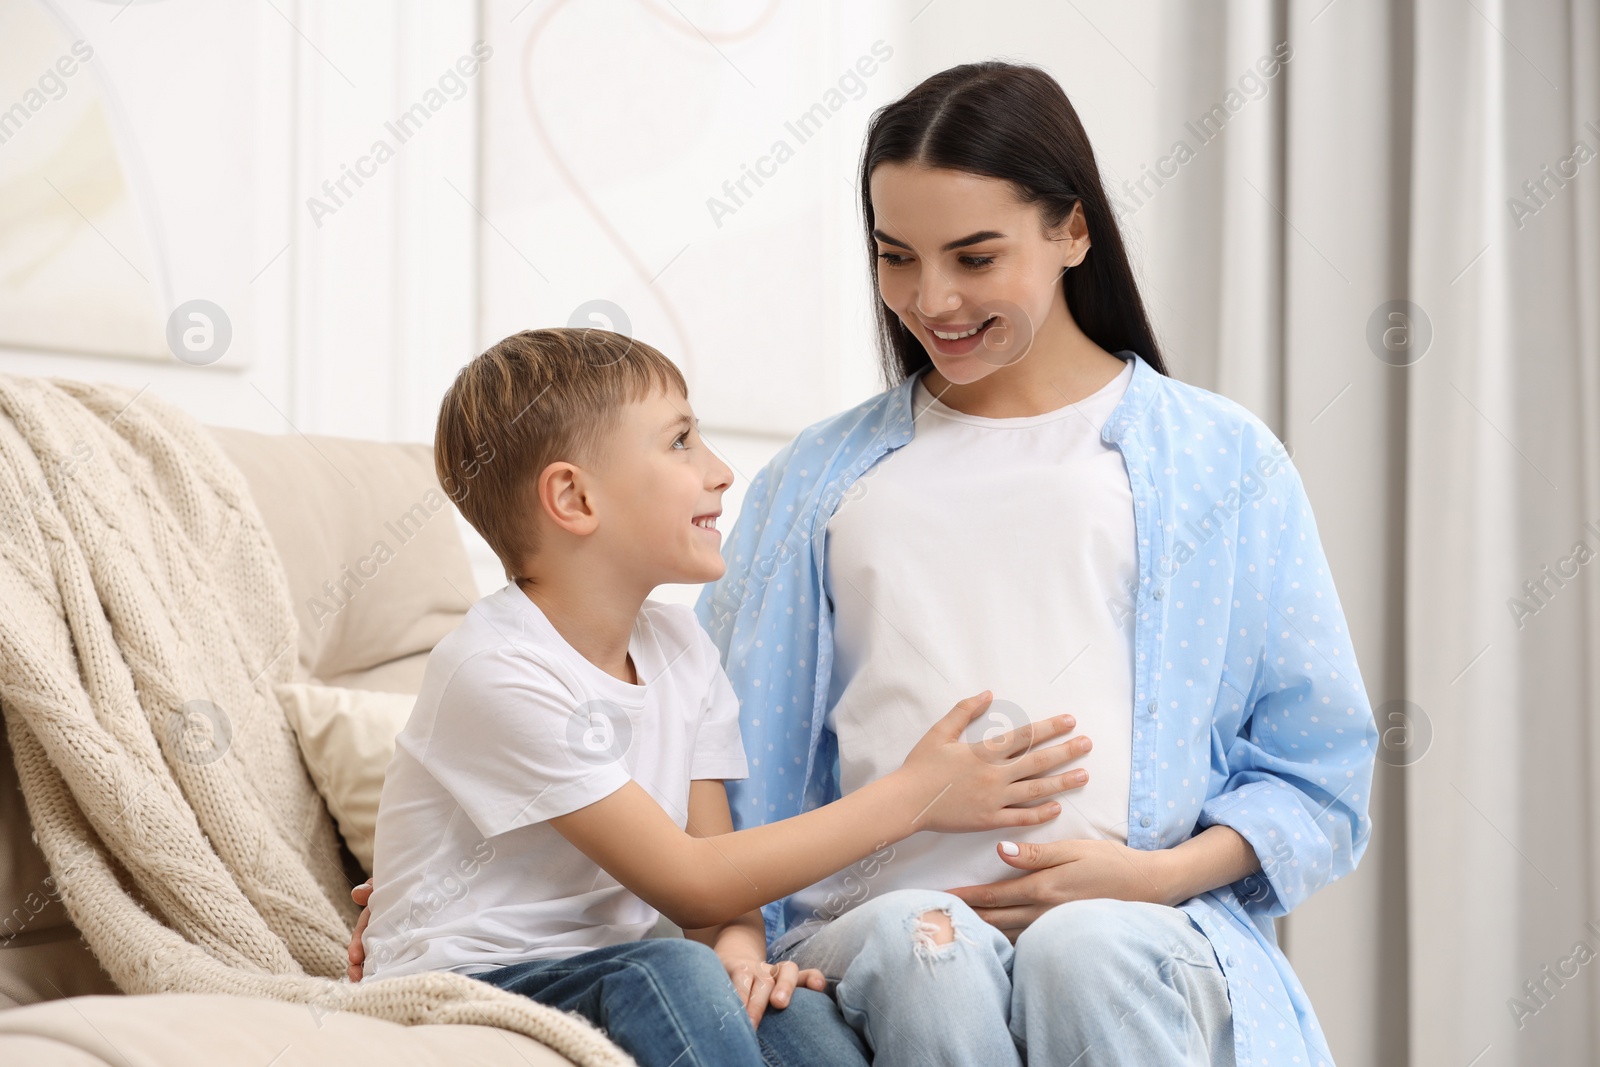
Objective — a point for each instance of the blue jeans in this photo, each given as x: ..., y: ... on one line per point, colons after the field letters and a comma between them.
x: 1089, y: 983
x: 669, y: 1001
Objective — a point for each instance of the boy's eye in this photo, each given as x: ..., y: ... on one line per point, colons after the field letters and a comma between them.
x: 681, y: 439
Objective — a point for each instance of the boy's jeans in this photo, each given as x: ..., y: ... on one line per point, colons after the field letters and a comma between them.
x: 1090, y: 983
x: 669, y: 1001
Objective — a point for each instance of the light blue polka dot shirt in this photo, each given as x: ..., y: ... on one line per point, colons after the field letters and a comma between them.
x: 1249, y: 709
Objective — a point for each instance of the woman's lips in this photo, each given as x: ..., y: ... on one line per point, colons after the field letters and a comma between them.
x: 960, y: 346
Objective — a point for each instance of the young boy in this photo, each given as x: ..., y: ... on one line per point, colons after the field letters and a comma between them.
x: 559, y: 783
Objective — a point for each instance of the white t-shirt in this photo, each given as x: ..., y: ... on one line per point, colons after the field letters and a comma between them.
x: 512, y: 728
x: 984, y: 554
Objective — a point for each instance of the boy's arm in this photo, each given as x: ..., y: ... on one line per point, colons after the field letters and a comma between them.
x: 709, y: 817
x: 945, y: 784
x: 742, y: 943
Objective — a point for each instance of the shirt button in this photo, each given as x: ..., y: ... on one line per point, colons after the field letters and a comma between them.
x: 1159, y: 593
x: 1145, y: 821
x: 1232, y: 962
x: 1151, y: 707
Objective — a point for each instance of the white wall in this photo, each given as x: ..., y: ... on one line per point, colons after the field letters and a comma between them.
x: 578, y: 164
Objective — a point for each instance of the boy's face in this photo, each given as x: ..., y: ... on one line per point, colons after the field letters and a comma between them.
x: 661, y: 492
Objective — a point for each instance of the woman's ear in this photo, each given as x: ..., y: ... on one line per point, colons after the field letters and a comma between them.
x: 1072, y: 235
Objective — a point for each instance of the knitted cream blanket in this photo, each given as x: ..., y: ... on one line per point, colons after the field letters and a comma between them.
x: 144, y: 620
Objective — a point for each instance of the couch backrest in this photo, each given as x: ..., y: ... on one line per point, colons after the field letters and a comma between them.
x: 375, y: 561
x: 378, y: 573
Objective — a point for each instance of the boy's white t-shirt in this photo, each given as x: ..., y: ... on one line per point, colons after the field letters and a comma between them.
x: 513, y: 727
x: 984, y: 554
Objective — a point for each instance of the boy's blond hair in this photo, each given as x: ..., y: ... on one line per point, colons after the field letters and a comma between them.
x: 536, y: 398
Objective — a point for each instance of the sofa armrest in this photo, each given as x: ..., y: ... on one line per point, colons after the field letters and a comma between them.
x: 199, y: 1030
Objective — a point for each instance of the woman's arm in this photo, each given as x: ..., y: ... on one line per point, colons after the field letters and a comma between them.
x: 1060, y: 871
x: 1215, y: 857
x: 1299, y: 769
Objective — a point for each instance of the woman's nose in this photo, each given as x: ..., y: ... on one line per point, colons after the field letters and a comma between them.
x: 936, y: 294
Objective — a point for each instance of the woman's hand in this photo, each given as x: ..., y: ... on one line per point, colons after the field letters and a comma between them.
x: 761, y: 984
x: 993, y: 783
x: 357, y: 951
x: 1060, y: 871
x: 1067, y: 870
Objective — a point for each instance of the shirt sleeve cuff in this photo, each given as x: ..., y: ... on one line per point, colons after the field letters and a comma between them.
x: 552, y: 801
x: 731, y: 767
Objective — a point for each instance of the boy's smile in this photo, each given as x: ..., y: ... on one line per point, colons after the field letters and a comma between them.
x: 662, y: 487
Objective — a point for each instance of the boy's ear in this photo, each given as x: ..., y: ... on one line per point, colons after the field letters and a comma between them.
x: 564, y: 497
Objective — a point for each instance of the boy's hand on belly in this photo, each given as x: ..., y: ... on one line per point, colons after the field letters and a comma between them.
x: 993, y: 783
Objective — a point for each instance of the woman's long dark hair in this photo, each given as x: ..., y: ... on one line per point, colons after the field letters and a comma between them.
x: 1009, y: 121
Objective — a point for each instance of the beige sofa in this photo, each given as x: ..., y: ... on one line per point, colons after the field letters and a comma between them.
x: 326, y: 502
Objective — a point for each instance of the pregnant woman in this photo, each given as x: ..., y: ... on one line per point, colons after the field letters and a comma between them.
x: 1034, y: 506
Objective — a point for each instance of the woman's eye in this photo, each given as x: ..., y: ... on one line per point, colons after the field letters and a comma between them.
x: 894, y: 259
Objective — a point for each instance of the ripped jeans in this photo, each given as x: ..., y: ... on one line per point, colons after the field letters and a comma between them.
x: 1090, y: 983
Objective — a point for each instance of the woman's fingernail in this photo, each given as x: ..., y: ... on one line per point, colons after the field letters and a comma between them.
x: 1010, y: 848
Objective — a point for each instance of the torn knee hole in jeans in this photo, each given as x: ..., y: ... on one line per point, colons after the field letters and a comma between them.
x: 933, y: 931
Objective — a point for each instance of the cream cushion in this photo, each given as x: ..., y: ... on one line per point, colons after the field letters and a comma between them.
x: 346, y: 739
x: 369, y: 543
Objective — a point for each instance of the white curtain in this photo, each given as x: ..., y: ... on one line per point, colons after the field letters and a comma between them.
x: 1393, y: 256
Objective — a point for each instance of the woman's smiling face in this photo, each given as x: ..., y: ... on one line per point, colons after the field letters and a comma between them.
x: 960, y: 256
